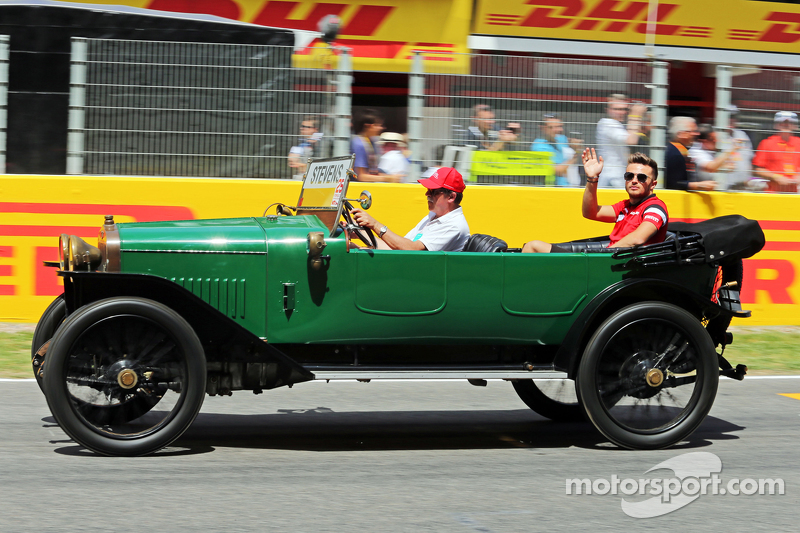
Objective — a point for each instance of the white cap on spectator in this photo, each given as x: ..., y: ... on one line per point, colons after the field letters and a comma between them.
x: 783, y: 116
x: 391, y: 137
x: 429, y: 172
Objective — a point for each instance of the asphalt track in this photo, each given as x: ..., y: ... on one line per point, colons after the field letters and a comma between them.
x: 386, y: 456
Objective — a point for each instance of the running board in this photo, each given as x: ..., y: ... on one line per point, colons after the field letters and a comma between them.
x: 437, y: 374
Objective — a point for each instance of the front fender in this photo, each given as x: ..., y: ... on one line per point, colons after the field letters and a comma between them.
x: 223, y: 339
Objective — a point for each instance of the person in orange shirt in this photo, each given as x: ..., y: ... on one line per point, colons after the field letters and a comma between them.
x: 778, y: 156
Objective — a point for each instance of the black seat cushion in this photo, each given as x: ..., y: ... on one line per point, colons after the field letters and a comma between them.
x: 485, y: 243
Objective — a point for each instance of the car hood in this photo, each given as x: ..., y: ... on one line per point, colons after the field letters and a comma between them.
x: 220, y: 235
x: 232, y: 234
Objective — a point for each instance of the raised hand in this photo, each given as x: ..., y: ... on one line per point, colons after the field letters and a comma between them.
x: 592, y: 163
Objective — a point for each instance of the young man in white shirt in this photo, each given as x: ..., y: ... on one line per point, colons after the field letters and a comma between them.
x: 444, y: 228
x: 614, y: 138
x: 393, y: 161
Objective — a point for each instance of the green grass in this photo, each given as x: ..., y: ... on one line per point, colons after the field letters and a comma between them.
x: 765, y: 350
x: 15, y: 354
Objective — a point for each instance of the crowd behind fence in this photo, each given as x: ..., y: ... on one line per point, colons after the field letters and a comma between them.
x: 229, y: 110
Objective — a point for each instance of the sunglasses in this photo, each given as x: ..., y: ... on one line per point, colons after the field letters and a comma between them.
x: 433, y: 193
x: 641, y: 177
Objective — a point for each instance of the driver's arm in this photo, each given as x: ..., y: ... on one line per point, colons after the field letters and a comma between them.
x: 396, y: 242
x: 638, y: 236
x: 390, y: 240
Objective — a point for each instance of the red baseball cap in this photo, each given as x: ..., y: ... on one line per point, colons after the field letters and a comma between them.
x: 445, y: 178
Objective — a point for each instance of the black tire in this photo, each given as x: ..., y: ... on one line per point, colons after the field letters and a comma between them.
x: 50, y: 321
x: 624, y: 406
x: 106, y: 343
x: 555, y: 399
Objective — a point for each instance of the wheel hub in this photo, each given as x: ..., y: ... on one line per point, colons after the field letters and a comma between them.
x: 127, y: 379
x: 124, y: 373
x: 654, y: 377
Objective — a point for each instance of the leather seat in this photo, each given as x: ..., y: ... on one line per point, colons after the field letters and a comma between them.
x: 479, y: 242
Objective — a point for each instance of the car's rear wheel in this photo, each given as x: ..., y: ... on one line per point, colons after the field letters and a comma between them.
x: 648, y: 376
x: 50, y: 321
x: 125, y: 376
x: 555, y: 399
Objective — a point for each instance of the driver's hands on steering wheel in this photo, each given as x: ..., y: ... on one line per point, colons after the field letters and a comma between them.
x: 363, y: 219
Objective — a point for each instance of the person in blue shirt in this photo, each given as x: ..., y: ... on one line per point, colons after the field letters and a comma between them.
x: 364, y: 144
x: 563, y: 152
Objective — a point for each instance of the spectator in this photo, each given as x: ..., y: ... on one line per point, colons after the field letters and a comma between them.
x: 709, y: 164
x: 614, y: 138
x: 680, y: 166
x: 308, y: 145
x: 563, y: 152
x: 778, y: 156
x: 643, y: 138
x: 741, y: 153
x: 482, y: 134
x: 393, y: 162
x: 364, y: 145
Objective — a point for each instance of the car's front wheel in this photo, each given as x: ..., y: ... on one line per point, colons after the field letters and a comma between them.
x: 648, y: 376
x: 125, y: 376
x: 50, y: 321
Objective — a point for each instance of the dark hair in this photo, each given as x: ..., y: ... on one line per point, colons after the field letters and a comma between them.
x: 313, y: 119
x: 705, y: 131
x: 641, y: 159
x: 368, y: 116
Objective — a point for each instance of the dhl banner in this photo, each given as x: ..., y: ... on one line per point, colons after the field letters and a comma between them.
x: 743, y: 25
x: 34, y: 210
x: 382, y: 34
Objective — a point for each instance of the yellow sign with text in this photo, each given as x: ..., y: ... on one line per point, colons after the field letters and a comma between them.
x: 382, y: 34
x: 32, y: 217
x: 498, y: 163
x: 725, y: 24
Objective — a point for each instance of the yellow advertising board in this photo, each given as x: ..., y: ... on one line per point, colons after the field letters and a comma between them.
x: 32, y: 216
x: 748, y: 25
x: 382, y: 34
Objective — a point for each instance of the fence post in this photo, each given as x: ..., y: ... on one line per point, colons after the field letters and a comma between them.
x: 344, y: 80
x: 722, y: 118
x: 416, y: 101
x: 77, y: 103
x: 658, y: 115
x: 4, y: 53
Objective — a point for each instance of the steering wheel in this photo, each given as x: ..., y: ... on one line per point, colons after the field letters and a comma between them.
x: 366, y: 235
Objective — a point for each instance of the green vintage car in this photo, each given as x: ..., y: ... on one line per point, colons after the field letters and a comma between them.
x: 159, y: 314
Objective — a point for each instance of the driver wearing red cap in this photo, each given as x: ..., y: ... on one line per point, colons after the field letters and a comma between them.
x: 444, y: 228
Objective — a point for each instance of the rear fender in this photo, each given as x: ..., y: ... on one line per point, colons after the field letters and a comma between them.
x: 616, y: 297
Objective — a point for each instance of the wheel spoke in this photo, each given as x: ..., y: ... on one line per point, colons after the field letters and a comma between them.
x: 110, y: 349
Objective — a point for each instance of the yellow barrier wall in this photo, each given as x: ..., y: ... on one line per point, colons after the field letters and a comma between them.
x: 34, y: 210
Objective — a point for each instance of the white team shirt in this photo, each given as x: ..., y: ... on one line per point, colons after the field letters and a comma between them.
x: 394, y: 162
x: 701, y: 157
x: 448, y: 233
x: 612, y: 145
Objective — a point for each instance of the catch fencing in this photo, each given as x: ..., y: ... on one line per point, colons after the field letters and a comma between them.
x: 192, y: 109
x: 488, y: 121
x: 4, y: 54
x: 751, y: 98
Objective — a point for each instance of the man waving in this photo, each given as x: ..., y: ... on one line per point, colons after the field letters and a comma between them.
x: 641, y: 219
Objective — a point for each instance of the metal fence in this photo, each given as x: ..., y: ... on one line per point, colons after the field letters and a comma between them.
x: 4, y: 54
x: 195, y: 109
x: 499, y: 120
x: 751, y: 98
